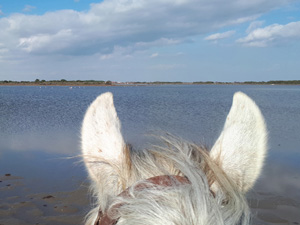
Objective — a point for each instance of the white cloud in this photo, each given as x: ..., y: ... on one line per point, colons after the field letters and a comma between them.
x: 254, y: 25
x: 28, y: 8
x: 41, y: 41
x: 158, y: 42
x: 129, y: 24
x: 272, y: 35
x: 218, y: 36
x: 154, y: 55
x: 107, y: 56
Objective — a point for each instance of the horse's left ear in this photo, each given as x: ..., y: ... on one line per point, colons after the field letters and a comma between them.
x: 240, y: 149
x: 102, y: 141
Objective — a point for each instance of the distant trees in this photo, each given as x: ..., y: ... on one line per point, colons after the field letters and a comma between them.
x: 108, y: 82
x: 283, y: 82
x: 203, y: 82
x: 290, y: 82
x: 65, y: 82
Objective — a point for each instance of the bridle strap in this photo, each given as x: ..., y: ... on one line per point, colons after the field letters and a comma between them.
x: 160, y: 181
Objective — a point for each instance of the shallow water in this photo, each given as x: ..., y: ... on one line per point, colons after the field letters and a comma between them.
x: 40, y: 129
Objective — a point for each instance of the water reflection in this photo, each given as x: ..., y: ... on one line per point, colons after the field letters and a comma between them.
x: 41, y: 172
x: 282, y: 179
x: 56, y: 143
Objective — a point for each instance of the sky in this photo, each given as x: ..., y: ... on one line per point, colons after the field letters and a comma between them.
x: 157, y: 40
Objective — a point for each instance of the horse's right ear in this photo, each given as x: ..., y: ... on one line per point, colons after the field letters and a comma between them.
x: 241, y: 148
x: 102, y: 141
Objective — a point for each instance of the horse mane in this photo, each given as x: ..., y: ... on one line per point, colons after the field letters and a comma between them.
x: 200, y: 201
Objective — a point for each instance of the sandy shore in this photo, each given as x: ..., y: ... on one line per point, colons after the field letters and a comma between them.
x: 20, y: 207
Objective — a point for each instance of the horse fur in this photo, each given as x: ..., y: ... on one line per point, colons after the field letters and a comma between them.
x: 218, y: 179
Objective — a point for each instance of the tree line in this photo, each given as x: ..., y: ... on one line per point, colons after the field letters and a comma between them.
x: 108, y: 82
x: 58, y: 82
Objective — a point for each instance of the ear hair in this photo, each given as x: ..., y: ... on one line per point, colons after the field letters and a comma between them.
x: 241, y: 148
x: 102, y: 141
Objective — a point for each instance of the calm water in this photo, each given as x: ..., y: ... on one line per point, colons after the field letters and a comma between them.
x: 40, y: 128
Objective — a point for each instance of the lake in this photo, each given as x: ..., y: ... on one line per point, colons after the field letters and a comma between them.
x: 40, y: 143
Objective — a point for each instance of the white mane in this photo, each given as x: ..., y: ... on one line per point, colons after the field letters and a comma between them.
x: 218, y: 179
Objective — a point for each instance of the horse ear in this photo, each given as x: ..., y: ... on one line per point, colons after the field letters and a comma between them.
x: 102, y: 141
x: 241, y: 148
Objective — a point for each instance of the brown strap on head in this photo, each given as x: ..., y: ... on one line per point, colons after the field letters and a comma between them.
x: 163, y: 181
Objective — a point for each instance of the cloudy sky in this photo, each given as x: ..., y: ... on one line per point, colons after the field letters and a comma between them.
x: 150, y: 40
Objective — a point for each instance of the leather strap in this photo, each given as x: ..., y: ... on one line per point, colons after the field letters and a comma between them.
x: 162, y: 181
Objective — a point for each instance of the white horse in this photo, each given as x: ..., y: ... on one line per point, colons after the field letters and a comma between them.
x: 178, y: 183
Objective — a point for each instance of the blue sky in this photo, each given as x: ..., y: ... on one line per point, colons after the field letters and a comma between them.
x: 41, y: 7
x: 142, y: 40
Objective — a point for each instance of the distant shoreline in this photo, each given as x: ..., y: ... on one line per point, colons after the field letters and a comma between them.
x: 111, y: 83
